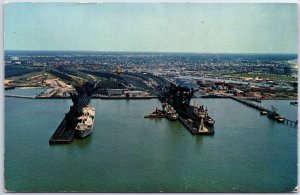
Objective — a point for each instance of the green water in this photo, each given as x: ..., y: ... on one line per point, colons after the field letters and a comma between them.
x: 127, y: 153
x: 24, y: 91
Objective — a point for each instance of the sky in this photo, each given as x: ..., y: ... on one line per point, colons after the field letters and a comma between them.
x: 152, y: 27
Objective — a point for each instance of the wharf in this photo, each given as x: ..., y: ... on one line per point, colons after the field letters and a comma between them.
x: 62, y: 135
x: 66, y: 130
x: 261, y: 108
x: 179, y: 98
x: 213, y: 96
x: 9, y: 87
x: 255, y: 106
x: 123, y: 97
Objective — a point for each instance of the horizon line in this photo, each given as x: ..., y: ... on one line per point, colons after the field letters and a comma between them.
x: 167, y: 52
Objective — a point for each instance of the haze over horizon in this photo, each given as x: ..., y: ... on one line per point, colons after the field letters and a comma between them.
x: 152, y: 27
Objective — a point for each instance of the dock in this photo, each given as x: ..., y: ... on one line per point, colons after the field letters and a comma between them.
x: 62, y: 135
x: 65, y: 132
x: 9, y: 87
x: 255, y: 106
x: 261, y: 108
x: 179, y: 98
x: 123, y: 97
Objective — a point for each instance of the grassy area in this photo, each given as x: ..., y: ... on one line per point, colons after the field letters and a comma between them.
x: 274, y: 77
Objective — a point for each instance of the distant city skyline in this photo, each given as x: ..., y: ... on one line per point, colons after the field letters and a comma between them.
x: 152, y: 27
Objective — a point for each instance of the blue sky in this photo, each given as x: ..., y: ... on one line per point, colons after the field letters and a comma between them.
x: 152, y: 27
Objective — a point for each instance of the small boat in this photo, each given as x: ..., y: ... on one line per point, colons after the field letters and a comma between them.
x: 156, y: 114
x: 280, y: 119
x: 295, y: 189
x: 294, y: 103
x: 172, y: 116
x: 263, y: 112
x: 170, y: 112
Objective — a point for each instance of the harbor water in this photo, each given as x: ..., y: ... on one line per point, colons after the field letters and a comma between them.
x: 127, y: 153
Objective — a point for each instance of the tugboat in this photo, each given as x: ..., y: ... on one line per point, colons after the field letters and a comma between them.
x: 263, y: 112
x: 156, y: 114
x: 280, y: 119
x: 86, y: 124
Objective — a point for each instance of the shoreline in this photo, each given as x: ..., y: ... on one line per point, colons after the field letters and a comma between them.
x: 137, y: 98
x: 30, y: 87
x: 120, y: 98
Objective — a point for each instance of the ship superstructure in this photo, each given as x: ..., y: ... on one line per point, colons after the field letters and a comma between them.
x: 86, y: 122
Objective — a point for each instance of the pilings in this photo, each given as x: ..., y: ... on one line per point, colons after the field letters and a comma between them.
x: 261, y: 108
x: 290, y: 122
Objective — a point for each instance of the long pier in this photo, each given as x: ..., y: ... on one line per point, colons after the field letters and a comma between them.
x: 255, y: 106
x: 261, y: 108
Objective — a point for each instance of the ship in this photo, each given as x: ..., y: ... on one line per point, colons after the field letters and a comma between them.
x: 170, y: 111
x: 85, y: 125
x: 179, y: 98
x: 156, y: 114
x: 208, y: 120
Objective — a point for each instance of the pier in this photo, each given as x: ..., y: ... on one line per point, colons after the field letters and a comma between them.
x: 290, y: 122
x: 261, y: 108
x: 255, y: 106
x: 66, y: 130
x: 195, y: 120
x: 9, y: 87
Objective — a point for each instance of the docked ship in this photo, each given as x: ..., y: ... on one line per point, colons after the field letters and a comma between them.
x: 199, y: 110
x: 86, y: 122
x: 194, y: 118
x: 170, y: 111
